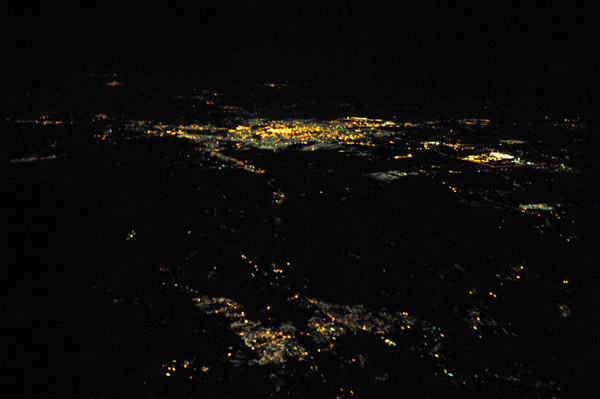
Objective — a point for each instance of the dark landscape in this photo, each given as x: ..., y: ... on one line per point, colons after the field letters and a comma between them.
x: 390, y: 205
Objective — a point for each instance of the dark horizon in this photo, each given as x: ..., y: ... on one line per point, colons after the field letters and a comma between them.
x: 528, y: 54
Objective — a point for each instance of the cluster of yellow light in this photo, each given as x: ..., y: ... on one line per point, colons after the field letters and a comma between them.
x: 455, y: 146
x: 350, y: 131
x: 278, y: 197
x: 271, y: 346
x: 275, y: 345
x: 240, y: 164
x: 472, y: 122
x: 489, y: 157
x: 328, y: 329
x: 276, y: 135
x: 186, y: 364
x: 43, y: 120
x: 450, y: 187
x: 370, y: 123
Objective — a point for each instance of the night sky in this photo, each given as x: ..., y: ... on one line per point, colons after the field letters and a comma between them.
x: 534, y: 52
